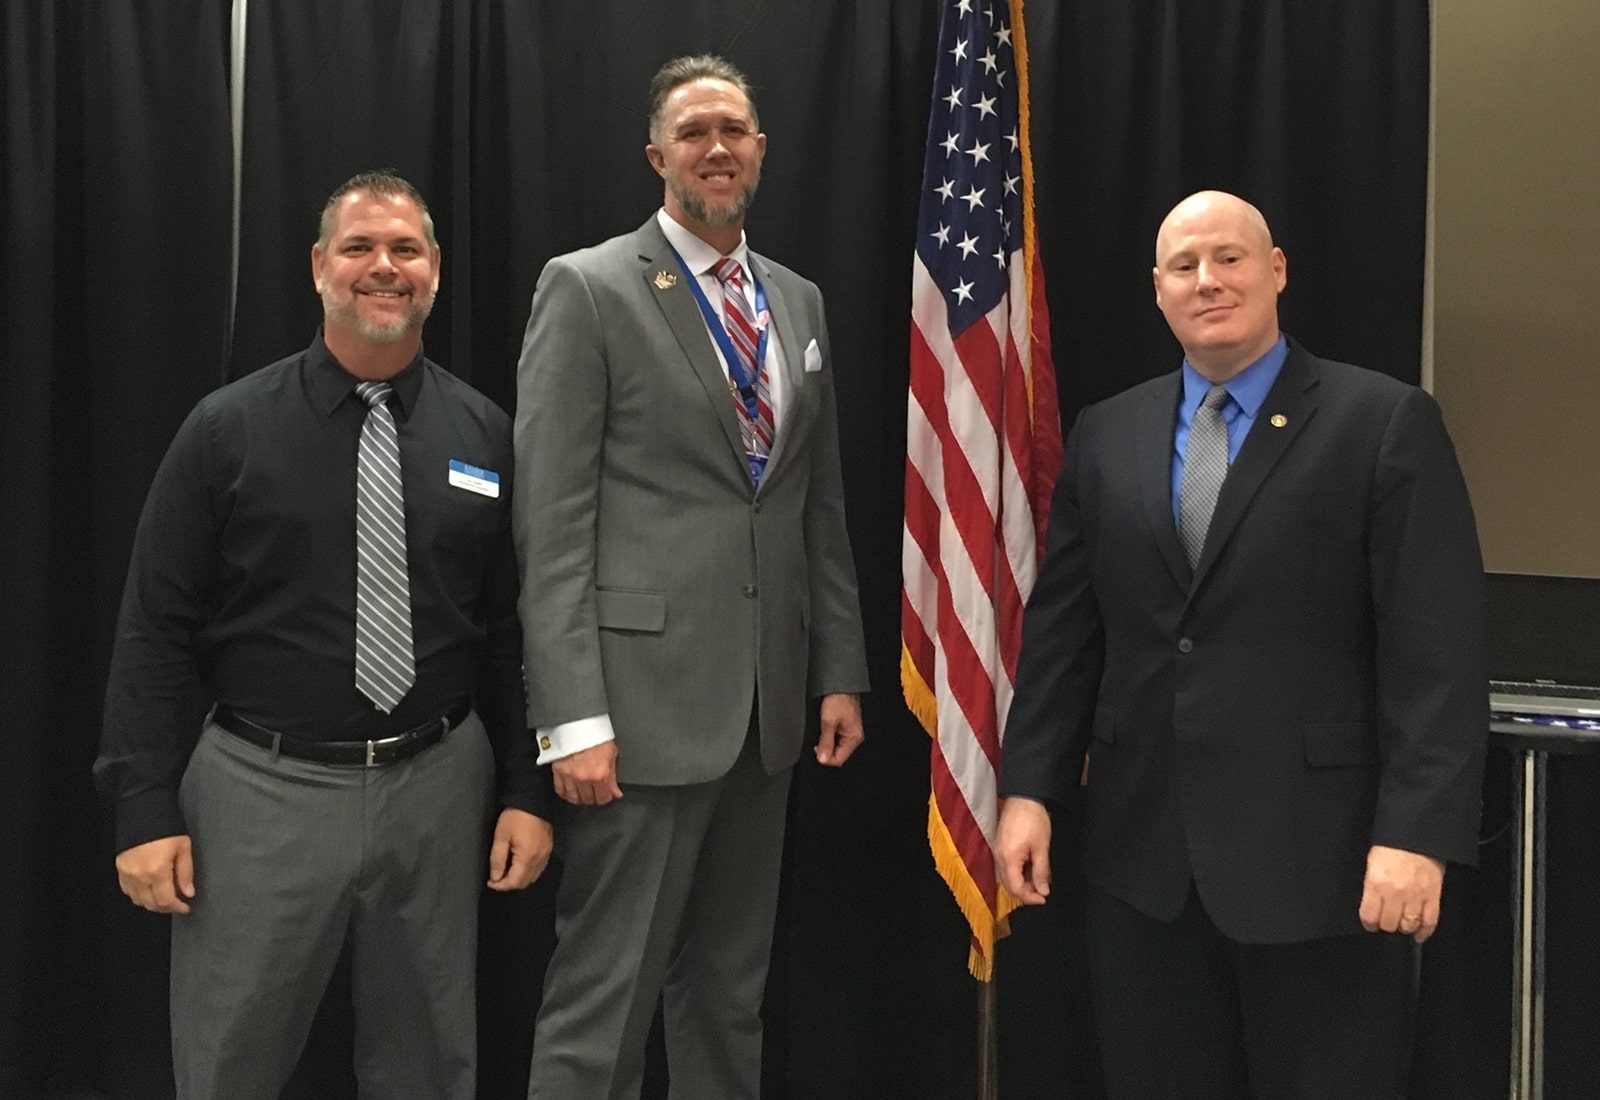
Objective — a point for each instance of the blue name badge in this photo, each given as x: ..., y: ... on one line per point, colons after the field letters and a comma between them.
x: 474, y: 478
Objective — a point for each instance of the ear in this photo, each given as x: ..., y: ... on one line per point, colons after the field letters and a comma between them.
x: 1280, y: 268
x: 1155, y: 279
x: 316, y: 267
x: 657, y: 159
x: 437, y: 268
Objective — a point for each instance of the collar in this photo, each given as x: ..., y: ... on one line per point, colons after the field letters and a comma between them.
x: 330, y: 383
x: 699, y: 256
x: 1248, y: 388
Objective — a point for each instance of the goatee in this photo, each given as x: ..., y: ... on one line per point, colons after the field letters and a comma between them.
x: 694, y: 204
x: 349, y: 316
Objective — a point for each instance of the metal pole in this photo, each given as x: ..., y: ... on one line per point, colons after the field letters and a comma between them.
x: 1541, y: 763
x: 236, y: 56
x: 1526, y: 915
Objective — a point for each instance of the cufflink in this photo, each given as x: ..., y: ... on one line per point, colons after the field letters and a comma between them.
x: 544, y: 744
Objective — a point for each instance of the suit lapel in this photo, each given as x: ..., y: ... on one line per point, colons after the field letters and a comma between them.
x: 677, y: 304
x: 793, y: 365
x: 1154, y: 444
x: 1292, y: 403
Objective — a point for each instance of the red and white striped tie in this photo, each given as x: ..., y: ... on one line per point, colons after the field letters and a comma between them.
x: 756, y: 430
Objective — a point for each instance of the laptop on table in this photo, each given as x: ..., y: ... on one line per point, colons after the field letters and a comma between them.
x: 1544, y: 646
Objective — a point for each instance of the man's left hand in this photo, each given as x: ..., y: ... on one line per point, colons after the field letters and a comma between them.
x: 1401, y: 892
x: 520, y: 851
x: 841, y: 729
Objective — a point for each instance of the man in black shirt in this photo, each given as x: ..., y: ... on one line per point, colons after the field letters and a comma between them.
x: 326, y: 553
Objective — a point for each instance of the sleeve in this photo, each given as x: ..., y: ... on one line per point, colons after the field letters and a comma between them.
x: 566, y: 738
x: 1062, y: 655
x: 1430, y: 621
x: 838, y: 660
x: 501, y: 698
x: 560, y: 426
x: 154, y: 682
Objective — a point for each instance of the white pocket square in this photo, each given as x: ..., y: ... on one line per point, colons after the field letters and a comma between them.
x: 813, y: 358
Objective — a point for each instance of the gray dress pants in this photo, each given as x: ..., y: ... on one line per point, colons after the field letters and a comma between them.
x: 294, y: 859
x: 669, y: 893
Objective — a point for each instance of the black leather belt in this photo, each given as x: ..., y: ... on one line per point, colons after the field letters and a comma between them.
x: 368, y: 754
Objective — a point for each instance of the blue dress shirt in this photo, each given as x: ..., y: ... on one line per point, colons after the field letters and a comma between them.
x: 1247, y: 390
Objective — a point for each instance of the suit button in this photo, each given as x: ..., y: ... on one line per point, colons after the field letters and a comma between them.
x: 1185, y: 645
x: 749, y: 591
x: 756, y: 506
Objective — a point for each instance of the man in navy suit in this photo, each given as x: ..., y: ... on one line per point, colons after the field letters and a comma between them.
x: 1262, y: 617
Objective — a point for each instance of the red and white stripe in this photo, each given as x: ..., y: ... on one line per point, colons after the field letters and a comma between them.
x: 981, y: 422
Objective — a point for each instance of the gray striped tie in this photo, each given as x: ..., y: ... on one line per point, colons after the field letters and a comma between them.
x: 1205, y: 465
x: 385, y: 661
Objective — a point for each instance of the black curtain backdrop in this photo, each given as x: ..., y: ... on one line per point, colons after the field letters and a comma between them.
x: 114, y: 310
x: 524, y: 123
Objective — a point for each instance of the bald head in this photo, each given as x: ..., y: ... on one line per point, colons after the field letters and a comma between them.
x: 1217, y: 280
x: 1208, y: 206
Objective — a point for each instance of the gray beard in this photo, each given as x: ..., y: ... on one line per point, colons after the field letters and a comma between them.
x: 347, y: 314
x: 695, y: 206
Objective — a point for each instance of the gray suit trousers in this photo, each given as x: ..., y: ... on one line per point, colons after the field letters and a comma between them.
x: 292, y: 859
x: 667, y: 893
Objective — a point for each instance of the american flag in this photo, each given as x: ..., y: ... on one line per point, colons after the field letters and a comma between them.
x: 983, y: 441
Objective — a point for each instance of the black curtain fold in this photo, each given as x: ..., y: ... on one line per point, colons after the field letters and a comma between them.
x: 524, y: 124
x: 331, y: 89
x: 36, y: 122
x: 115, y: 208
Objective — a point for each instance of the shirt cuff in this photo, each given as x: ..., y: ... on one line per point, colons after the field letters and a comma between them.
x: 566, y: 738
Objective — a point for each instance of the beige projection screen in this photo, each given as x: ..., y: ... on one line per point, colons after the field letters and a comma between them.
x: 1516, y: 272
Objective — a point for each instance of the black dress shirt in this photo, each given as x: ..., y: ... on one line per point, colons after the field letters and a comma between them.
x: 242, y: 584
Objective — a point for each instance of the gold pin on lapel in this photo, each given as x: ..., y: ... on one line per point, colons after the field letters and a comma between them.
x: 665, y: 280
x: 1279, y: 420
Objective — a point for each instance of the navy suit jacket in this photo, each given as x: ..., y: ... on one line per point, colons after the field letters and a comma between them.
x: 1314, y: 686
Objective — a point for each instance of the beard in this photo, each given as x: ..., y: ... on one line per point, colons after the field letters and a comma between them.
x: 345, y: 313
x: 695, y: 206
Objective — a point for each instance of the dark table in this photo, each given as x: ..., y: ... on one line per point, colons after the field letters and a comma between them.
x: 1534, y: 744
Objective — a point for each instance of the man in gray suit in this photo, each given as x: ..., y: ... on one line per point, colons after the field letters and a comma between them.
x: 687, y: 586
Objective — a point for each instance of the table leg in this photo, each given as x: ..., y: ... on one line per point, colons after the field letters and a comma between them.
x: 1527, y: 923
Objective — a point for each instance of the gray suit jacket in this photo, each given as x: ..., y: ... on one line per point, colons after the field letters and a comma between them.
x: 658, y: 585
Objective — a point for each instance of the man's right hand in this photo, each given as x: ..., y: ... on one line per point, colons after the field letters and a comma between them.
x: 589, y: 777
x: 158, y: 875
x: 1022, y: 849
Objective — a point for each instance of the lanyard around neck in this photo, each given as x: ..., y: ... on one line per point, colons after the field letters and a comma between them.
x: 744, y: 383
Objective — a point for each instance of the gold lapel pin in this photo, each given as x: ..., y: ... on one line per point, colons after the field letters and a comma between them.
x: 665, y: 280
x: 1279, y: 420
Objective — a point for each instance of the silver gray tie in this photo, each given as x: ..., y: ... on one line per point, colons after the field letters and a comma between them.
x: 1205, y: 465
x: 385, y: 659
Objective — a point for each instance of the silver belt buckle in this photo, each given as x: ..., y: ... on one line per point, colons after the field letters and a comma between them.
x: 373, y: 745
